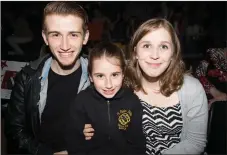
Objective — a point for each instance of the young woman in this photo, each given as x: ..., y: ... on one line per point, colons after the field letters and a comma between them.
x: 114, y: 111
x: 175, y: 110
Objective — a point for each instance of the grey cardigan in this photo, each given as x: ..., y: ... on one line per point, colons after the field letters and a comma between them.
x: 194, y: 106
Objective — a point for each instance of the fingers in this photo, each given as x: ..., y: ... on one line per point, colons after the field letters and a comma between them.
x: 88, y: 135
x: 87, y: 138
x: 87, y: 126
x: 88, y: 131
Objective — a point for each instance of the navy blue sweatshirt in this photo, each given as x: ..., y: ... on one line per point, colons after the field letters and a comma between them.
x: 117, y: 123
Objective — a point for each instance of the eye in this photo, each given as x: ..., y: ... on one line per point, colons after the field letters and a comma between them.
x: 100, y: 76
x: 164, y: 47
x: 115, y: 74
x: 74, y: 35
x: 146, y: 46
x: 55, y: 35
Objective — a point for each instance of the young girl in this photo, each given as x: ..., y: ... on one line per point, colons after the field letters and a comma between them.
x: 114, y: 111
x: 175, y: 110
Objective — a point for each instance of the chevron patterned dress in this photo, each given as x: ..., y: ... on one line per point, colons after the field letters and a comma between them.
x: 162, y: 127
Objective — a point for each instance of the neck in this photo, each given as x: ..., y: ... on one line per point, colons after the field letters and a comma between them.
x: 55, y: 66
x: 151, y: 84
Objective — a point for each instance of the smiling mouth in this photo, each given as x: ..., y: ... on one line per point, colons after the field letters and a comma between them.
x: 65, y: 54
x: 154, y: 65
x: 108, y: 92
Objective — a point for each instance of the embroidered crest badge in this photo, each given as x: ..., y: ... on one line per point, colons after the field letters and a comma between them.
x: 124, y: 118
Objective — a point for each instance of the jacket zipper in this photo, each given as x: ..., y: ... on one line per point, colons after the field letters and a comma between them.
x: 108, y: 105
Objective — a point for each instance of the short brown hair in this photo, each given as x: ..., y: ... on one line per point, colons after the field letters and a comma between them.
x: 172, y: 79
x: 65, y: 8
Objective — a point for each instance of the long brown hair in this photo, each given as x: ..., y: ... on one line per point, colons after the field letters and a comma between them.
x: 172, y: 78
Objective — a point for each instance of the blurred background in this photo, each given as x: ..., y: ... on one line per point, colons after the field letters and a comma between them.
x: 199, y: 25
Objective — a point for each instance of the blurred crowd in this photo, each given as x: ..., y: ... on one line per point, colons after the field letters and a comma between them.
x: 199, y: 25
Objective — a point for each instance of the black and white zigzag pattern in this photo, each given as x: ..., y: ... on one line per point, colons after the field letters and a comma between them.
x: 162, y: 127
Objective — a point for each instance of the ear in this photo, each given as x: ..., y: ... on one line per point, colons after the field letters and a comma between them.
x: 90, y: 78
x: 44, y: 37
x: 135, y: 53
x: 134, y: 49
x: 86, y: 37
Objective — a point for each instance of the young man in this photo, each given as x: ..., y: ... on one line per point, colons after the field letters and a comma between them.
x: 43, y: 90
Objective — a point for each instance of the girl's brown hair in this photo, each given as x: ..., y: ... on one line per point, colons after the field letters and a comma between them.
x: 172, y: 79
x: 108, y: 50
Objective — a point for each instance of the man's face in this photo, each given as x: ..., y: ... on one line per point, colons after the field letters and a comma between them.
x: 65, y: 37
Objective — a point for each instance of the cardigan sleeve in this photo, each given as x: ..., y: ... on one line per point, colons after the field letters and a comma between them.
x: 196, y: 132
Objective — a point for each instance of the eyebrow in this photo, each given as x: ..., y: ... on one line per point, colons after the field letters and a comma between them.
x: 97, y: 73
x: 144, y: 42
x: 116, y: 72
x: 103, y: 73
x: 167, y: 42
x: 70, y: 32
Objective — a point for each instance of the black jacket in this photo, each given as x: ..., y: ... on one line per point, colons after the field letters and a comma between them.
x: 22, y: 115
x: 117, y: 123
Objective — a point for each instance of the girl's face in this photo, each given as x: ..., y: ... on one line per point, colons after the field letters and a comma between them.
x: 154, y: 52
x: 107, y: 76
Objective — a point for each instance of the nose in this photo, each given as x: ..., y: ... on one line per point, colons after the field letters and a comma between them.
x: 65, y: 44
x: 108, y: 83
x: 154, y: 54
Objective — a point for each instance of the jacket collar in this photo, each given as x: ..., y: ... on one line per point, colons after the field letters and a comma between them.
x: 37, y: 63
x: 46, y: 61
x: 121, y: 93
x: 84, y: 80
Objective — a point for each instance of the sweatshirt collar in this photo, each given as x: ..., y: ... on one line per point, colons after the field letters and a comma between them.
x: 122, y: 92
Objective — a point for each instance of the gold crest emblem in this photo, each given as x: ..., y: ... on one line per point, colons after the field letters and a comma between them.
x: 124, y: 117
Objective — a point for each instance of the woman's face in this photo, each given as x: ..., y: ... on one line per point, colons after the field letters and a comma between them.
x: 154, y: 52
